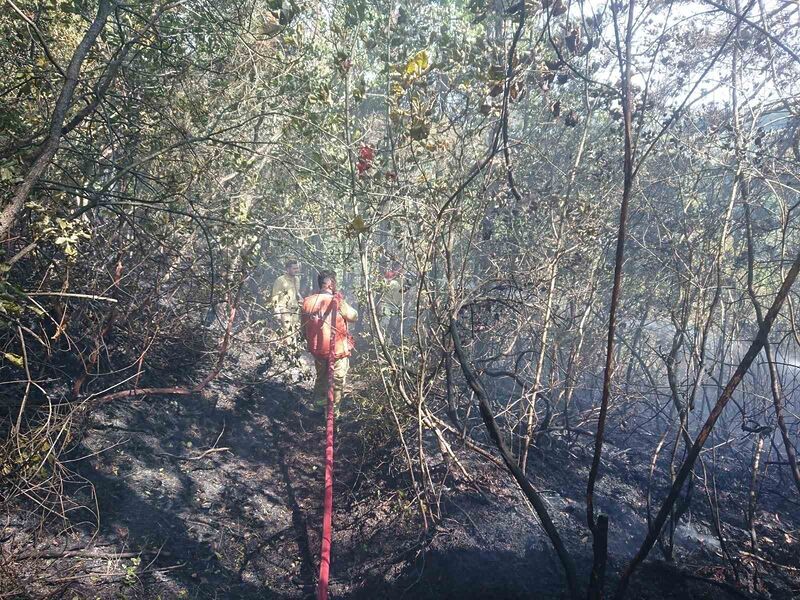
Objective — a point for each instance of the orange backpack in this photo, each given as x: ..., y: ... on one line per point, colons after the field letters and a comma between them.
x: 316, y: 319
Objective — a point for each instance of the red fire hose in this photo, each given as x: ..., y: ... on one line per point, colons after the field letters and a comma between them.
x: 325, y: 550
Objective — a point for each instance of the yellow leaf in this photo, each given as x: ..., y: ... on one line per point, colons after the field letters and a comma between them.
x: 13, y: 359
x: 418, y: 63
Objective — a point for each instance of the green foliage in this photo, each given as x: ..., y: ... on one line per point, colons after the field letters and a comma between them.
x: 131, y: 576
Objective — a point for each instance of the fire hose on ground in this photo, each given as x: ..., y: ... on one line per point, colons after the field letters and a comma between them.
x: 325, y: 550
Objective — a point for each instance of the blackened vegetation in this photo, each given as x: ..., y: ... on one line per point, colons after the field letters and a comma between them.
x: 218, y: 495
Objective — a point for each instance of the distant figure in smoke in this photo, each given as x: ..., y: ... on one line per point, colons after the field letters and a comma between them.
x: 392, y: 301
x: 316, y: 322
x: 286, y: 299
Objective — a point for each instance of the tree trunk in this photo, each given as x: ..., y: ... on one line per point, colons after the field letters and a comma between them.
x: 12, y: 210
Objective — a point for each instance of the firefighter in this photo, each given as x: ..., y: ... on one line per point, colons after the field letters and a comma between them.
x: 316, y: 324
x: 286, y: 299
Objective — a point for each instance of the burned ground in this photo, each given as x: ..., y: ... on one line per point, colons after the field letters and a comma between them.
x: 218, y: 495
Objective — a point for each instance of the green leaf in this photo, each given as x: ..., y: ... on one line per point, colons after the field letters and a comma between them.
x: 357, y: 225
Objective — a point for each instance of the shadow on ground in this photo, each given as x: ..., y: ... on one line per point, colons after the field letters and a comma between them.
x: 220, y: 495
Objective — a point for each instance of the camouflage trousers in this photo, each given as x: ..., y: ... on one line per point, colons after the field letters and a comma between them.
x: 340, y: 368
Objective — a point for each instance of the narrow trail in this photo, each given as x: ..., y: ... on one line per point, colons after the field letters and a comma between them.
x: 237, y: 523
x: 239, y: 518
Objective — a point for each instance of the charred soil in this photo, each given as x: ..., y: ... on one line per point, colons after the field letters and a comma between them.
x: 218, y: 495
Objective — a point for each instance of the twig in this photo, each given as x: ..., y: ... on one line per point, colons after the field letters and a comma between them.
x: 41, y: 38
x: 769, y: 562
x: 198, y: 457
x: 111, y: 576
x: 18, y: 424
x: 202, y: 455
x: 85, y: 553
x: 71, y: 295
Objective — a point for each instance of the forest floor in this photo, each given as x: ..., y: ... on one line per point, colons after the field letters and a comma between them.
x: 218, y: 495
